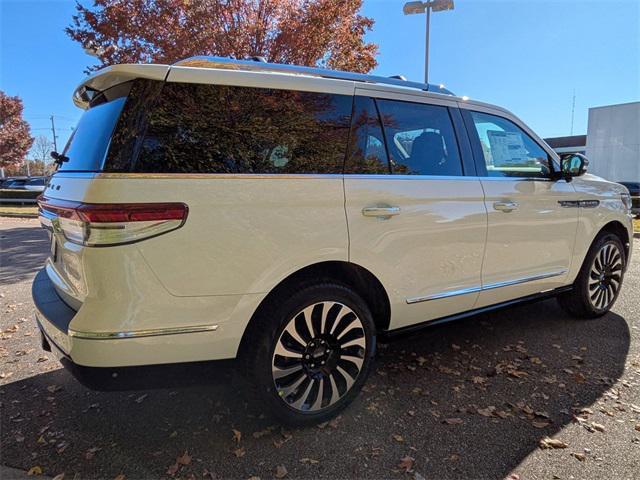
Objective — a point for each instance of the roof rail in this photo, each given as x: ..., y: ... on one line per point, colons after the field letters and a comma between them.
x: 204, y: 61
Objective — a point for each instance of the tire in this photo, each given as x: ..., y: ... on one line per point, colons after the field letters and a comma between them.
x: 318, y: 339
x: 598, y: 283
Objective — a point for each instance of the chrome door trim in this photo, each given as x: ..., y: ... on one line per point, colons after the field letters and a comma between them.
x: 447, y: 294
x: 141, y: 333
x: 489, y: 286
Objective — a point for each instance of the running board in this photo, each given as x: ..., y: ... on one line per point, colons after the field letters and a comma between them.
x: 470, y: 313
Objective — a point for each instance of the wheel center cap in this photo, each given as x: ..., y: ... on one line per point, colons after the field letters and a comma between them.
x: 319, y: 352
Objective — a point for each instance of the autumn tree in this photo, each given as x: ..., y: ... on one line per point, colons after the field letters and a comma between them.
x: 41, y: 149
x: 15, y: 137
x: 327, y: 33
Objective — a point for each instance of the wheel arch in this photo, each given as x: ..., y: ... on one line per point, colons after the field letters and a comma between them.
x: 618, y: 229
x: 365, y: 283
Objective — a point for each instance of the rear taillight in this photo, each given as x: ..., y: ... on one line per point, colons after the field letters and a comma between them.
x: 101, y: 224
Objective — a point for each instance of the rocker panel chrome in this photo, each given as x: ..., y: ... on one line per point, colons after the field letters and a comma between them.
x: 490, y: 286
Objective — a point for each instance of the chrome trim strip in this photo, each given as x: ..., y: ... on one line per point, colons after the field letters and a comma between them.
x: 451, y: 293
x: 286, y: 176
x: 141, y: 333
x: 490, y: 286
x: 517, y: 281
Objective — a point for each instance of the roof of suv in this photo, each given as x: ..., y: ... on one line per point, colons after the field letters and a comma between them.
x: 116, y: 74
x: 113, y: 75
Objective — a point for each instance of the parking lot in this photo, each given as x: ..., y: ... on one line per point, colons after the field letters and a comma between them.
x: 473, y: 399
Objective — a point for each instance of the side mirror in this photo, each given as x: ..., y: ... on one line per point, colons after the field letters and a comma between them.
x: 573, y: 165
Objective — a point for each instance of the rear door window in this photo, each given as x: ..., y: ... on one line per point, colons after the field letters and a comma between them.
x: 194, y: 128
x: 420, y: 139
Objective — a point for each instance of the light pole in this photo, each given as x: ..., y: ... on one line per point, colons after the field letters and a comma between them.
x: 412, y: 8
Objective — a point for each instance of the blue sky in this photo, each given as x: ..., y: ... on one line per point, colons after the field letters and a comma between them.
x: 526, y: 55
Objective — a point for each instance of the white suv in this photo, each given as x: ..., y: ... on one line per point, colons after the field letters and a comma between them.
x: 287, y: 216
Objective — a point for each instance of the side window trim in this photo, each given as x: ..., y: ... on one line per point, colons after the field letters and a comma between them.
x: 384, y: 136
x: 478, y: 154
x: 474, y: 140
x: 469, y: 167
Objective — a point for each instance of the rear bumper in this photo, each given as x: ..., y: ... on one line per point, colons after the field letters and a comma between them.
x: 117, y: 347
x: 142, y: 377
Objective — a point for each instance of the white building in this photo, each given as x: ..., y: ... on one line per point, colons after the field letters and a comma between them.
x: 613, y: 142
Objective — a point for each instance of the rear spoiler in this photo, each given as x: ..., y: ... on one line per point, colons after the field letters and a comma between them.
x: 110, y: 76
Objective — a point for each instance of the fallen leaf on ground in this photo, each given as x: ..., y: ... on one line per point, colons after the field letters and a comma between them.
x: 597, y: 426
x: 239, y: 452
x: 35, y: 470
x: 120, y: 476
x: 60, y: 476
x: 237, y: 435
x: 453, y: 421
x: 406, y: 463
x: 281, y: 471
x: 310, y: 461
x: 638, y: 427
x: 540, y: 423
x: 547, y: 442
x: 141, y: 398
x: 580, y: 456
x: 173, y: 469
x: 398, y: 438
x: 486, y: 412
x: 185, y: 459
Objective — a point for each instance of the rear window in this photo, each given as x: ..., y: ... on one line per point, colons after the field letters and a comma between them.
x: 195, y: 128
x: 87, y: 146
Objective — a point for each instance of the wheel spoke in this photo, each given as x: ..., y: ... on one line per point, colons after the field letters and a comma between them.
x: 358, y: 361
x: 293, y: 331
x: 289, y: 389
x: 360, y: 341
x: 285, y: 372
x: 335, y: 394
x: 317, y: 404
x: 304, y: 397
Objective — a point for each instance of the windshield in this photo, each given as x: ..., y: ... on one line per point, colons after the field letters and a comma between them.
x: 87, y: 146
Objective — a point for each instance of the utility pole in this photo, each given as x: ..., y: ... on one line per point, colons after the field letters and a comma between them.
x: 53, y: 130
x: 573, y: 109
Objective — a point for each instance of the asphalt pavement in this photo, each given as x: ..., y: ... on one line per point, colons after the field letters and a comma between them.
x: 479, y: 398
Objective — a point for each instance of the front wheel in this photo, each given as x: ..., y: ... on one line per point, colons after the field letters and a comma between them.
x: 309, y: 353
x: 598, y: 284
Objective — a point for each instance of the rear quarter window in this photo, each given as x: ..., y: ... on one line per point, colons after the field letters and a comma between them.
x: 88, y: 144
x: 195, y: 128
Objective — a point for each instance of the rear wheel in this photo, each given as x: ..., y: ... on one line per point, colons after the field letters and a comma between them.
x: 309, y: 354
x: 598, y: 284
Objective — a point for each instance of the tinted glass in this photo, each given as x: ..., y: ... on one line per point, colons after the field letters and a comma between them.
x: 367, y: 152
x: 508, y: 151
x: 194, y: 128
x: 420, y: 139
x: 87, y: 146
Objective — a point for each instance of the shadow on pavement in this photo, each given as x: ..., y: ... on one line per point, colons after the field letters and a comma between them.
x: 467, y: 400
x: 22, y: 253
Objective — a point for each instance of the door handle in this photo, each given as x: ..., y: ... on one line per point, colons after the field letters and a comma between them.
x: 505, y: 207
x: 382, y: 212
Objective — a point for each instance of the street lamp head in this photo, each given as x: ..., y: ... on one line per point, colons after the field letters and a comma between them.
x: 441, y: 5
x: 411, y: 8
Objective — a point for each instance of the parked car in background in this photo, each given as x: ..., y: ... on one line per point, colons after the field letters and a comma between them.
x: 289, y: 216
x: 34, y: 184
